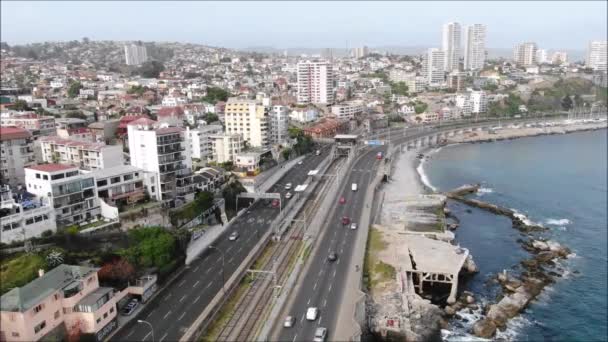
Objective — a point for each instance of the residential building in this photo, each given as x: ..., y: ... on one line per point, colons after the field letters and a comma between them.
x: 63, y: 299
x: 104, y: 131
x: 162, y: 149
x: 559, y: 57
x: 278, y: 122
x: 84, y: 155
x: 479, y: 101
x: 524, y: 54
x: 597, y: 55
x: 463, y: 103
x: 361, y: 52
x: 73, y: 128
x: 398, y: 75
x: 474, y: 47
x: 315, y: 82
x: 23, y: 218
x: 225, y: 147
x: 120, y: 185
x: 434, y: 67
x: 542, y: 57
x: 304, y: 115
x: 135, y: 54
x: 348, y: 110
x: 17, y: 152
x: 248, y: 118
x: 456, y: 80
x: 38, y: 125
x: 200, y: 142
x: 450, y: 44
x: 71, y: 193
x: 327, y: 128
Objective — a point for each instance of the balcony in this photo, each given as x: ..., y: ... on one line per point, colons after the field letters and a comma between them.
x: 162, y: 142
x: 170, y: 150
x: 173, y: 159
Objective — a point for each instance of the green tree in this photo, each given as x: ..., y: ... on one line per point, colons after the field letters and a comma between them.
x: 150, y: 69
x: 214, y: 95
x: 74, y: 89
x: 150, y: 247
x: 20, y: 105
x: 420, y: 107
x: 286, y: 153
x: 210, y: 117
x: 399, y: 88
x: 566, y: 102
x: 76, y: 115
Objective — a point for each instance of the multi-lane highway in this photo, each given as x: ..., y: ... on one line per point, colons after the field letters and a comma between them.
x: 173, y: 311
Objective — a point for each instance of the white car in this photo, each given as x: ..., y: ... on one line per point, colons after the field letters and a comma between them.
x: 353, y: 225
x: 312, y: 313
x: 320, y: 335
x: 288, y: 195
x: 233, y: 236
x: 287, y: 186
x: 289, y: 321
x: 300, y: 162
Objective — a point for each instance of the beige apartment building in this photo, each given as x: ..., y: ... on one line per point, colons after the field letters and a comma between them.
x: 248, y: 118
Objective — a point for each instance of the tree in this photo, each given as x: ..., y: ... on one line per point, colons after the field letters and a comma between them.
x: 151, y: 246
x: 76, y: 115
x: 117, y: 272
x: 20, y: 105
x: 566, y: 102
x: 214, y: 95
x: 286, y: 153
x: 399, y: 88
x: 420, y: 107
x: 74, y: 89
x: 229, y: 193
x: 150, y: 69
x: 210, y: 117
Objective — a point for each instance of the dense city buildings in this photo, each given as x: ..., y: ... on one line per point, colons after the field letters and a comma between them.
x: 524, y: 54
x: 451, y: 45
x: 474, y: 47
x: 315, y: 82
x: 597, y: 55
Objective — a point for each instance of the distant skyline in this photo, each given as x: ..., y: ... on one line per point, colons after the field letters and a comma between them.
x: 553, y: 25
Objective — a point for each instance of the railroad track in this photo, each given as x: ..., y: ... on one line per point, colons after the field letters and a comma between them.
x: 246, y: 317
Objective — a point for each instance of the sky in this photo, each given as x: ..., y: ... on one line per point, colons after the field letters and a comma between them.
x: 312, y: 24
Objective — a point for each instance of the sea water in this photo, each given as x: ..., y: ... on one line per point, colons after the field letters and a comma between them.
x: 558, y: 181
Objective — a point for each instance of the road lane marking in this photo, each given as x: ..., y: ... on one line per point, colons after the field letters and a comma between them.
x: 334, y: 274
x: 230, y: 260
x: 308, y: 303
x: 182, y: 299
x: 239, y: 251
x: 338, y: 263
x: 182, y: 316
x: 196, y: 300
x: 209, y: 269
x: 314, y: 287
x: 196, y: 269
x: 320, y: 318
x: 208, y: 285
x: 167, y: 297
x: 341, y: 250
x: 320, y: 272
x: 330, y: 285
x: 181, y: 283
x: 162, y: 338
x: 302, y: 320
x: 145, y: 337
x: 165, y: 316
x: 131, y: 333
x: 195, y: 283
x: 294, y: 338
x: 150, y: 313
x: 324, y: 302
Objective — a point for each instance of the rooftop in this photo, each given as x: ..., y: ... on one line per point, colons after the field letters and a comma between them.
x: 115, y: 171
x: 51, y: 167
x: 11, y: 133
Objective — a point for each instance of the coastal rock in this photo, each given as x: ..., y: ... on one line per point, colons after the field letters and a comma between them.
x: 470, y: 299
x: 502, y: 277
x: 530, y: 263
x: 497, y: 316
x: 473, y: 306
x: 543, y: 257
x: 512, y: 284
x: 470, y: 266
x: 484, y: 328
x: 540, y: 245
x: 449, y: 311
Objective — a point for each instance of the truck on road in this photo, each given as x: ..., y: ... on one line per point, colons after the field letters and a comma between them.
x: 354, y: 187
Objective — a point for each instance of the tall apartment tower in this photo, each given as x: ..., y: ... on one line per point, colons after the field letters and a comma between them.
x: 361, y: 52
x: 450, y: 44
x: 474, y: 47
x: 135, y: 54
x: 315, y: 82
x: 249, y: 118
x: 525, y: 53
x: 597, y: 55
x: 434, y: 66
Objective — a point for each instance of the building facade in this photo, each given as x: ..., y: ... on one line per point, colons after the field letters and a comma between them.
x: 450, y: 44
x: 85, y: 155
x: 348, y: 110
x: 135, y: 54
x: 22, y: 220
x: 120, y: 185
x: 16, y: 153
x: 434, y: 67
x: 38, y: 125
x: 225, y: 147
x: 524, y: 54
x: 279, y: 122
x: 474, y: 47
x: 250, y: 119
x: 315, y: 82
x: 597, y: 55
x: 200, y: 142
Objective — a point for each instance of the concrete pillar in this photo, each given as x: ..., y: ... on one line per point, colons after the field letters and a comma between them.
x: 420, y: 280
x: 453, y: 289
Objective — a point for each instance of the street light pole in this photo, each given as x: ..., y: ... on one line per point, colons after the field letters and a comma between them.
x: 141, y: 321
x: 223, y: 275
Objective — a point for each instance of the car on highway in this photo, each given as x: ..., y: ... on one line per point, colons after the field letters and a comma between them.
x: 342, y: 200
x: 379, y: 155
x: 130, y: 307
x: 354, y: 187
x: 320, y: 334
x: 289, y: 322
x: 333, y: 256
x: 234, y: 236
x: 353, y: 225
x: 318, y: 152
x: 275, y: 203
x: 300, y: 162
x: 345, y: 220
x: 288, y: 186
x: 312, y: 313
x: 288, y: 195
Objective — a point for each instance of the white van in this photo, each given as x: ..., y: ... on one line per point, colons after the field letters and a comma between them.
x: 354, y: 187
x: 318, y: 152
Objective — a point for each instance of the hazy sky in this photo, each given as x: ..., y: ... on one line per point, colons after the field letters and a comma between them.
x: 553, y: 25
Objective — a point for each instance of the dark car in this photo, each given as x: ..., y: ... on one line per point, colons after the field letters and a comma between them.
x: 333, y: 256
x: 345, y: 220
x: 130, y: 307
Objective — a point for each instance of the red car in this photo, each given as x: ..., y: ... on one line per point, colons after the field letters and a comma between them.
x: 345, y: 220
x: 342, y: 200
x: 275, y: 203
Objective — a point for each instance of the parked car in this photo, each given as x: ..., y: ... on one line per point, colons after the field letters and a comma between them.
x: 275, y: 203
x: 288, y: 195
x: 130, y: 307
x: 288, y: 186
x: 320, y: 335
x: 342, y: 200
x: 234, y: 236
x: 289, y: 322
x: 333, y: 256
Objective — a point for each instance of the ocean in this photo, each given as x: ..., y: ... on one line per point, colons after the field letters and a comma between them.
x: 558, y: 181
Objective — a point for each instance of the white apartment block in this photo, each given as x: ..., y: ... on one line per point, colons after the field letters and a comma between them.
x: 559, y: 57
x: 348, y: 110
x: 248, y: 118
x: 279, y: 122
x: 479, y: 102
x: 163, y: 150
x: 398, y: 75
x: 38, y: 125
x: 84, y: 155
x: 474, y: 47
x: 315, y: 82
x: 450, y: 44
x: 463, y: 103
x: 434, y: 66
x: 304, y: 115
x: 16, y: 153
x: 200, y: 142
x: 71, y: 193
x: 225, y: 147
x: 597, y: 55
x: 361, y: 52
x: 135, y: 54
x: 120, y: 185
x: 542, y: 57
x: 524, y: 54
x: 22, y: 221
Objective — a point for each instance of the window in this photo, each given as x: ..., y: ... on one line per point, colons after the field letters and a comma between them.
x: 98, y: 320
x: 115, y: 180
x: 57, y: 314
x: 15, y: 334
x: 128, y: 177
x: 39, y: 327
x: 111, y: 310
x: 105, y: 315
x: 56, y: 296
x: 38, y: 308
x: 102, y: 182
x: 45, y: 177
x: 67, y: 311
x: 90, y: 280
x: 38, y: 175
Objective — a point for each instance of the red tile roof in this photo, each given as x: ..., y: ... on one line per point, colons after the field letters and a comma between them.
x: 142, y: 121
x: 11, y: 133
x: 170, y: 111
x: 51, y: 167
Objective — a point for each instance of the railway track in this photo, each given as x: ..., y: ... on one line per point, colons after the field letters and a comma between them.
x: 246, y: 317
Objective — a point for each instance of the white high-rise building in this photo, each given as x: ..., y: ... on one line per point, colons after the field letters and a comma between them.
x: 315, y: 82
x: 434, y: 66
x: 474, y: 47
x: 164, y: 150
x: 135, y: 54
x: 525, y: 54
x: 249, y: 118
x: 200, y: 142
x: 542, y: 57
x: 279, y: 122
x: 597, y: 55
x: 450, y: 44
x: 559, y: 57
x: 361, y: 52
x: 479, y: 101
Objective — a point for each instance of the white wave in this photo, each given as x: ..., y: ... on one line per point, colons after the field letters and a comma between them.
x: 558, y: 222
x: 423, y: 177
x: 483, y: 190
x: 514, y: 328
x: 524, y: 218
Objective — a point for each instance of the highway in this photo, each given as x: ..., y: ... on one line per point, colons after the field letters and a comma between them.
x: 173, y: 311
